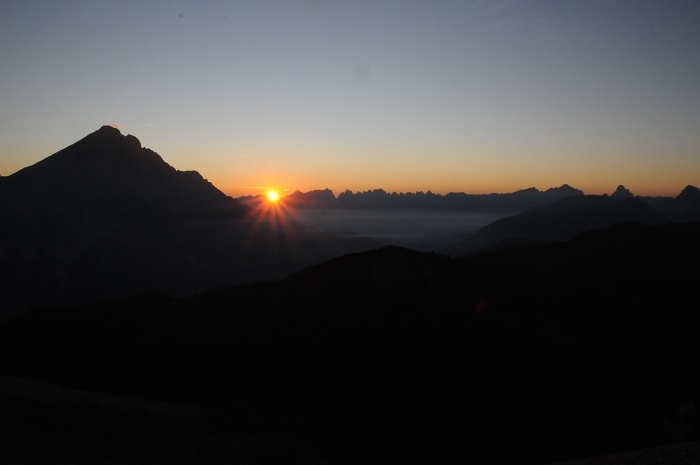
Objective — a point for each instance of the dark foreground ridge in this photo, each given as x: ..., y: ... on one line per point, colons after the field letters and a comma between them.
x: 521, y: 355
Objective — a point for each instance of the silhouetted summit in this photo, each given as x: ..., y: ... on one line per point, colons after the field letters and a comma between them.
x: 689, y: 203
x: 622, y: 193
x: 111, y: 175
x: 69, y: 222
x: 685, y: 207
x: 689, y: 194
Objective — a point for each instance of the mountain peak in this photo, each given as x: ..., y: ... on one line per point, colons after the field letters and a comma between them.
x: 108, y: 171
x: 690, y: 193
x: 113, y: 135
x: 562, y: 191
x: 108, y: 129
x: 622, y: 193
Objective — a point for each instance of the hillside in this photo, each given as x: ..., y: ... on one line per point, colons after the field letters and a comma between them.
x: 575, y: 349
x: 560, y: 221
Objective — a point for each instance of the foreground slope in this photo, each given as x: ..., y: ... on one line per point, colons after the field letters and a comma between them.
x: 576, y: 349
x: 50, y: 424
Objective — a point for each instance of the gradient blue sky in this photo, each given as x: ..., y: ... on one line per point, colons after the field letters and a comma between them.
x: 472, y: 96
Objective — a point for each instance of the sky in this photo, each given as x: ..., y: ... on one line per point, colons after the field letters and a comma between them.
x: 446, y: 96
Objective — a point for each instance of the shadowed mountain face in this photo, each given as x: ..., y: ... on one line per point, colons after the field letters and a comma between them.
x: 58, y: 216
x: 106, y: 218
x: 685, y: 207
x: 112, y: 180
x: 577, y: 348
x: 56, y: 208
x: 560, y: 221
x: 622, y: 193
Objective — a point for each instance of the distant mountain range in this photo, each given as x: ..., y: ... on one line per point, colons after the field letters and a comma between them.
x: 566, y: 218
x: 539, y: 217
x: 380, y: 199
x: 685, y: 207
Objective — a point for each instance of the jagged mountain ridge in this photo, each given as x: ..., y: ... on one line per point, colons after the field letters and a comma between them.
x: 68, y: 207
x: 622, y: 193
x: 381, y: 199
x: 112, y: 175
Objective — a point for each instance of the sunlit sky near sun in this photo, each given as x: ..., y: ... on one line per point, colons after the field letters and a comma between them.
x: 470, y: 96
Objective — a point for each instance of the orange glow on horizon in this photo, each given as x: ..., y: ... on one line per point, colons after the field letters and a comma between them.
x: 271, y: 211
x: 638, y: 187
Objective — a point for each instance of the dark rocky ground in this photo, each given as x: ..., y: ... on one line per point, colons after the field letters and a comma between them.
x: 685, y: 453
x: 47, y: 424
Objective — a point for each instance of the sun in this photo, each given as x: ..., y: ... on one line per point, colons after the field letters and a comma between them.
x: 273, y: 196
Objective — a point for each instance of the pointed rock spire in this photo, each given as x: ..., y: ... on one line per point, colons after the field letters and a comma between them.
x: 622, y: 193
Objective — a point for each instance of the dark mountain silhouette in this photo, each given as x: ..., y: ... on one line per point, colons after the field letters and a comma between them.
x: 690, y: 195
x: 525, y: 355
x: 622, y: 193
x: 685, y: 207
x: 380, y: 199
x: 312, y: 199
x: 560, y: 221
x: 106, y: 218
x: 111, y: 179
x: 688, y: 204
